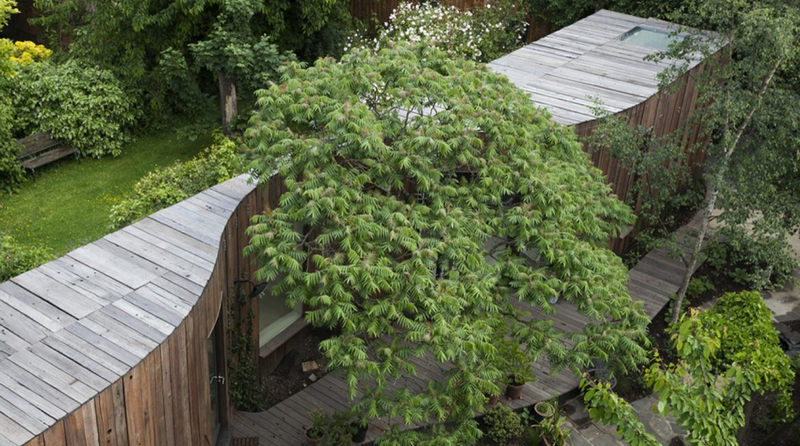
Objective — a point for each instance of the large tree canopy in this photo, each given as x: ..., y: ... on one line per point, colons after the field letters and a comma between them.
x: 428, y: 204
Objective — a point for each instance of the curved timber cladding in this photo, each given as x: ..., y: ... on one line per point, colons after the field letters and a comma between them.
x: 108, y: 344
x: 591, y: 64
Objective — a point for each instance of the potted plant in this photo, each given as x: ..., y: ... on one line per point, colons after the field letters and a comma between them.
x: 319, y: 424
x: 544, y: 409
x: 359, y: 427
x: 517, y: 366
x: 339, y: 431
x: 601, y: 372
x: 553, y: 430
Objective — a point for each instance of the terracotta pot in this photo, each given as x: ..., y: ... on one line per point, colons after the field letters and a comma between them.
x: 493, y: 399
x: 313, y: 441
x: 514, y: 391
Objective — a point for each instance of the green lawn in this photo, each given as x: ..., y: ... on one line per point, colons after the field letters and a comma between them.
x: 68, y: 204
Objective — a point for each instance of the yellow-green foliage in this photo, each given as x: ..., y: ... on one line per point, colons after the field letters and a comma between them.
x: 27, y: 52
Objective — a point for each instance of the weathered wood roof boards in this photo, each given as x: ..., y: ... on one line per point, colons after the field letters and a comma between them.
x: 71, y: 327
x: 570, y: 68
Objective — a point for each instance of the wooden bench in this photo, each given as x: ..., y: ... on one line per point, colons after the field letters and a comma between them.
x: 40, y: 149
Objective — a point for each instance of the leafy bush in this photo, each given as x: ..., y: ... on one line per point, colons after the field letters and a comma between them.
x: 482, y: 35
x: 757, y: 262
x: 15, y: 258
x: 746, y: 335
x: 162, y: 188
x: 82, y: 105
x: 698, y: 286
x: 502, y: 424
x: 11, y: 172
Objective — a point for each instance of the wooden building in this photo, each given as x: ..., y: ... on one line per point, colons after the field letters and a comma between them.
x: 600, y: 61
x: 123, y: 341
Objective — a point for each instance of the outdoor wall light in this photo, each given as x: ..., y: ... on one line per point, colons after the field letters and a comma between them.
x: 257, y: 288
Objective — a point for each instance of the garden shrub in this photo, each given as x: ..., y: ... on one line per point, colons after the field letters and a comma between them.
x: 502, y: 424
x: 85, y: 106
x: 746, y: 336
x: 11, y: 173
x: 16, y: 258
x: 756, y: 261
x: 481, y: 35
x: 165, y: 187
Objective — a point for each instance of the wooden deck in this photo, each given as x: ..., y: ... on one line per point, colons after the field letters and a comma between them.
x: 565, y: 71
x: 652, y: 281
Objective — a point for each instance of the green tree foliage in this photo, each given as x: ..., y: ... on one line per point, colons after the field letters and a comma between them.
x: 7, y: 7
x: 758, y: 39
x: 662, y: 182
x: 83, y: 105
x: 236, y: 55
x: 727, y: 354
x: 428, y: 204
x: 133, y: 37
x: 162, y: 188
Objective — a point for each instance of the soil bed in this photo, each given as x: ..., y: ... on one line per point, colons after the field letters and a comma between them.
x: 289, y: 378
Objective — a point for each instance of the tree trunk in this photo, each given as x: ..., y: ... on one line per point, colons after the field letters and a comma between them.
x: 712, y: 191
x: 227, y: 99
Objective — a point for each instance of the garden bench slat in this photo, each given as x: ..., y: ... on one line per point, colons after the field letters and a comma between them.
x: 40, y: 149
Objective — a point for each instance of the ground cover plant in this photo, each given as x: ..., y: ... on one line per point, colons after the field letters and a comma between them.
x: 405, y: 170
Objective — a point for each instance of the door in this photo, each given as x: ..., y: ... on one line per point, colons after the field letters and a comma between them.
x: 216, y: 379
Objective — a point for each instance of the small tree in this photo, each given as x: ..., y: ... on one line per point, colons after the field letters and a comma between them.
x: 727, y: 354
x: 429, y: 204
x: 757, y: 39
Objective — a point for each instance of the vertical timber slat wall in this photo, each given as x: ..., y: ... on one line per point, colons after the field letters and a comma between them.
x: 165, y: 399
x: 665, y: 113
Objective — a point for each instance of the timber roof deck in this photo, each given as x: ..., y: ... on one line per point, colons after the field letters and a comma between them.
x: 570, y: 68
x: 73, y: 326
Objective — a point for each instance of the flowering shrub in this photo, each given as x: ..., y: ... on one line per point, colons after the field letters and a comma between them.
x: 481, y: 35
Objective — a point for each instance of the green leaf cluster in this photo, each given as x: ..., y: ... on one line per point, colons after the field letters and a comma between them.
x: 426, y: 205
x: 83, y: 105
x: 16, y: 258
x: 165, y: 187
x: 502, y: 424
x: 727, y: 354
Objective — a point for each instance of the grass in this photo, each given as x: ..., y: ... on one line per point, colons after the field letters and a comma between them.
x: 68, y: 204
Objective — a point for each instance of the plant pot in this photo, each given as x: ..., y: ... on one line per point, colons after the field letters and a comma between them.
x: 543, y: 409
x: 360, y: 434
x: 313, y: 441
x: 493, y: 399
x: 602, y: 377
x: 514, y: 391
